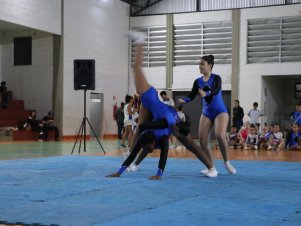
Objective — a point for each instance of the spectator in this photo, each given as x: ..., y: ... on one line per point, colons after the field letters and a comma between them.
x: 48, y: 124
x: 294, y: 138
x: 168, y: 101
x: 34, y: 125
x: 276, y: 141
x: 252, y: 139
x: 128, y: 120
x: 238, y: 115
x: 185, y: 120
x: 232, y: 138
x: 255, y: 113
x: 4, y: 95
x: 296, y: 115
x: 119, y: 117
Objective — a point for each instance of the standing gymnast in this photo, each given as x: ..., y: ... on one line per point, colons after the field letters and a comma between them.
x: 214, y: 110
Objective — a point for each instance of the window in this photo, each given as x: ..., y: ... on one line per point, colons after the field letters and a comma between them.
x: 274, y: 40
x: 192, y: 41
x: 154, y: 50
x: 22, y: 51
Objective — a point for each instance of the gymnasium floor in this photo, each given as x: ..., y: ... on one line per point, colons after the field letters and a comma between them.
x: 42, y: 184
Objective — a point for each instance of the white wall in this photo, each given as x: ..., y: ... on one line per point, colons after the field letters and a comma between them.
x: 31, y: 83
x: 94, y: 30
x: 250, y: 74
x: 184, y: 76
x: 43, y: 15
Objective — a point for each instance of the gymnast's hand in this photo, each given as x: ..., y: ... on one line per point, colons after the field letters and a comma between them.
x: 202, y: 92
x: 114, y: 175
x: 154, y: 177
x: 181, y: 101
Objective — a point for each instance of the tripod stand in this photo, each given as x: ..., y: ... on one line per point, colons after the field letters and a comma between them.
x: 82, y: 131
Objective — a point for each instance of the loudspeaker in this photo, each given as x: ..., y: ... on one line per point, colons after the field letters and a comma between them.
x: 84, y: 74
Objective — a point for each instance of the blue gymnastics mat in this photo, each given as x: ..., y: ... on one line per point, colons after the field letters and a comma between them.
x: 73, y: 190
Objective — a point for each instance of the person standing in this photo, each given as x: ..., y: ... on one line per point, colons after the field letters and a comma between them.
x: 254, y: 114
x: 238, y: 115
x: 119, y: 117
x: 214, y: 113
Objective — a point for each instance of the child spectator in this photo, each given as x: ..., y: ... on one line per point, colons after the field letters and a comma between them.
x: 276, y: 139
x: 232, y: 138
x: 254, y: 113
x: 252, y: 139
x: 294, y: 138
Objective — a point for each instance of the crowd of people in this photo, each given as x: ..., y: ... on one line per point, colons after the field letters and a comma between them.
x: 251, y: 135
x: 42, y: 127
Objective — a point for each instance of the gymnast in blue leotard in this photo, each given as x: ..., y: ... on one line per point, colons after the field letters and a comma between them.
x: 214, y: 111
x: 158, y: 120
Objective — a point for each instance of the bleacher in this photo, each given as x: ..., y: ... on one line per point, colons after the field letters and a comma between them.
x: 14, y: 116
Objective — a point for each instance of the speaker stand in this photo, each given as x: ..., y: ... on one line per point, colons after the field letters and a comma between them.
x: 81, y: 135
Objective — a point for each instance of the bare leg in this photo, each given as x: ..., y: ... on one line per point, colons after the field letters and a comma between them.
x: 188, y: 142
x: 220, y: 127
x: 140, y: 81
x: 205, y: 127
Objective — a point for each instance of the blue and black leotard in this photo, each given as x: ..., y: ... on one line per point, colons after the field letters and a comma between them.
x: 213, y: 103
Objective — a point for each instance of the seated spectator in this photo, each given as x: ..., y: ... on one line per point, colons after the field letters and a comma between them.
x: 252, y: 139
x: 243, y: 133
x: 294, y: 138
x: 4, y: 95
x: 276, y: 141
x: 34, y: 125
x: 232, y: 138
x: 261, y: 137
x: 48, y: 124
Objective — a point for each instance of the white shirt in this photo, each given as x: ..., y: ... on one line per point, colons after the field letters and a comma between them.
x: 254, y: 114
x: 169, y: 102
x: 182, y: 116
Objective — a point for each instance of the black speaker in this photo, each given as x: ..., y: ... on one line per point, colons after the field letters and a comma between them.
x: 84, y: 74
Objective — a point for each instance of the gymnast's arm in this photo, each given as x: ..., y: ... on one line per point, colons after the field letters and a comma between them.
x: 193, y: 93
x: 129, y: 159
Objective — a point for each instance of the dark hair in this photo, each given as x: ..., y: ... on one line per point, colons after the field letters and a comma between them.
x: 128, y: 98
x: 3, y: 83
x: 146, y: 138
x: 209, y: 59
x: 237, y: 101
x: 234, y: 126
x: 122, y: 103
x: 163, y: 93
x: 180, y: 107
x: 252, y: 126
x: 255, y: 104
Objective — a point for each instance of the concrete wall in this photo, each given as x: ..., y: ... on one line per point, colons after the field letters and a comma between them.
x: 251, y: 74
x: 94, y: 30
x: 31, y: 83
x: 43, y: 15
